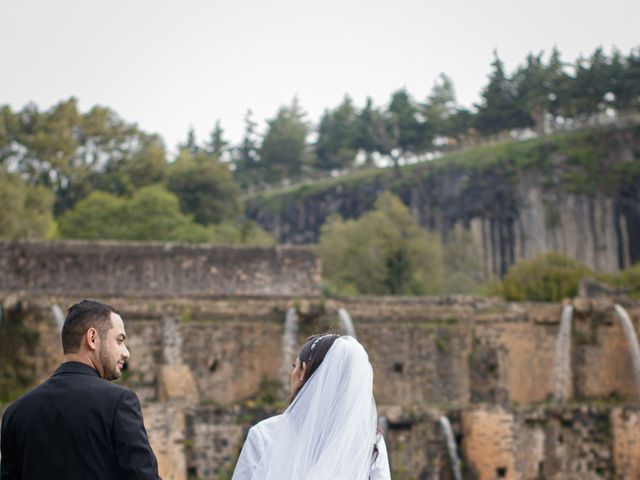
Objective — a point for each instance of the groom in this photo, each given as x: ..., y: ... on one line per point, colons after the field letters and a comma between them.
x: 77, y: 425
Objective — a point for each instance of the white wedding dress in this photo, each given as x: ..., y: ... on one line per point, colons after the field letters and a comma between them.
x: 328, y: 432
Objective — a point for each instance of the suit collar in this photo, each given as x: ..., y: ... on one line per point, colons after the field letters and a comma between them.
x: 76, y: 367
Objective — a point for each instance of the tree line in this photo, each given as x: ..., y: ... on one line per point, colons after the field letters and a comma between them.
x: 67, y: 165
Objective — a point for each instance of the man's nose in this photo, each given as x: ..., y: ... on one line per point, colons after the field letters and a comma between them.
x: 126, y: 353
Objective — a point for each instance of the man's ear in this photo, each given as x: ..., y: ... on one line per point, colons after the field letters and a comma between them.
x: 92, y: 338
x: 304, y: 368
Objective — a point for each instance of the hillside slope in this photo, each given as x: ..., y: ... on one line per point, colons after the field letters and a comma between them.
x: 577, y: 193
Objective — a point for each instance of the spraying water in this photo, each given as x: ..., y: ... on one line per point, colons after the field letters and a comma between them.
x: 452, y: 448
x: 346, y: 324
x: 289, y: 339
x: 632, y: 339
x: 562, y: 363
x: 58, y: 316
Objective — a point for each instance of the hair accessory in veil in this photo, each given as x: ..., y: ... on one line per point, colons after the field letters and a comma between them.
x: 315, y: 342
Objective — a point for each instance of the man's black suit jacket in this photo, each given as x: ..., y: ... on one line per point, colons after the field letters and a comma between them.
x: 76, y: 426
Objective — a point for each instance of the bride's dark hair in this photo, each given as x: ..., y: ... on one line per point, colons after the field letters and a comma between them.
x: 312, y: 353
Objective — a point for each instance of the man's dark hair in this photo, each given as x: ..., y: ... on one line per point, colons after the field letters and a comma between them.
x: 81, y: 317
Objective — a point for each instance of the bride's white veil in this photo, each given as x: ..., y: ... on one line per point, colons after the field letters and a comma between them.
x: 329, y: 430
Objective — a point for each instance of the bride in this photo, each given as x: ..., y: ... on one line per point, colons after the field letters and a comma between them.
x: 329, y: 430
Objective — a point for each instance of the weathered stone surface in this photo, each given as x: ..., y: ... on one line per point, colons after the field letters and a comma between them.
x: 431, y: 356
x: 626, y: 442
x: 216, y: 439
x: 489, y: 443
x: 147, y: 269
x: 176, y: 382
x: 165, y: 426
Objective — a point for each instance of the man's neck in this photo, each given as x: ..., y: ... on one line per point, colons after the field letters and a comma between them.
x: 79, y: 358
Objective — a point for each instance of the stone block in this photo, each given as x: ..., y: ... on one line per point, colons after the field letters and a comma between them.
x: 165, y: 426
x: 176, y: 382
x: 489, y: 444
x: 625, y: 424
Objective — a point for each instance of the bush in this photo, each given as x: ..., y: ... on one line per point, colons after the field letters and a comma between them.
x: 550, y: 277
x: 627, y: 280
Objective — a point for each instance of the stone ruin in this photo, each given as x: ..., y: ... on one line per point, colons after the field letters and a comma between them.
x: 206, y: 329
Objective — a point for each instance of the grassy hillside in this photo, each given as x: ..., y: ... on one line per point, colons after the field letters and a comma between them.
x: 580, y: 162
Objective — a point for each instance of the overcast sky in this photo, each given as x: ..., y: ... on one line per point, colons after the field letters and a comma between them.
x: 166, y: 65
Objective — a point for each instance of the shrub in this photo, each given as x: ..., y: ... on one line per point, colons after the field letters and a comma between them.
x: 549, y: 277
x: 627, y: 279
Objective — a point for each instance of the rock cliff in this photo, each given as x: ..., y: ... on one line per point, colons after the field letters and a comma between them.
x: 576, y: 193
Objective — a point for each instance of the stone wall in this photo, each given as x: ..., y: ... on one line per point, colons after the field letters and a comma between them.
x: 207, y: 369
x: 147, y: 269
x: 424, y: 350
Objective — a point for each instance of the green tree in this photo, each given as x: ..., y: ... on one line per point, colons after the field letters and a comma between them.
x: 145, y: 165
x: 630, y: 82
x: 440, y: 106
x: 559, y: 85
x: 395, y: 132
x: 98, y: 216
x: 593, y: 80
x: 619, y: 67
x: 404, y: 115
x: 533, y: 90
x: 336, y: 145
x: 151, y: 214
x: 284, y: 150
x: 73, y: 153
x: 366, y: 138
x: 205, y: 187
x: 27, y: 211
x: 499, y: 110
x: 245, y: 157
x: 383, y: 252
x: 154, y: 214
x: 217, y: 144
x: 191, y: 143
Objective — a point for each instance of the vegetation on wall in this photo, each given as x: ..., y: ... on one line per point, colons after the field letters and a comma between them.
x: 627, y: 280
x: 549, y: 277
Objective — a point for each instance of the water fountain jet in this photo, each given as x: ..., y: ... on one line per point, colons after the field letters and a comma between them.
x: 289, y: 339
x: 632, y: 340
x: 58, y: 316
x: 562, y: 362
x: 346, y: 324
x: 452, y: 448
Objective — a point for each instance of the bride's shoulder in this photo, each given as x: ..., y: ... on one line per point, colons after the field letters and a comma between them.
x: 266, y: 426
